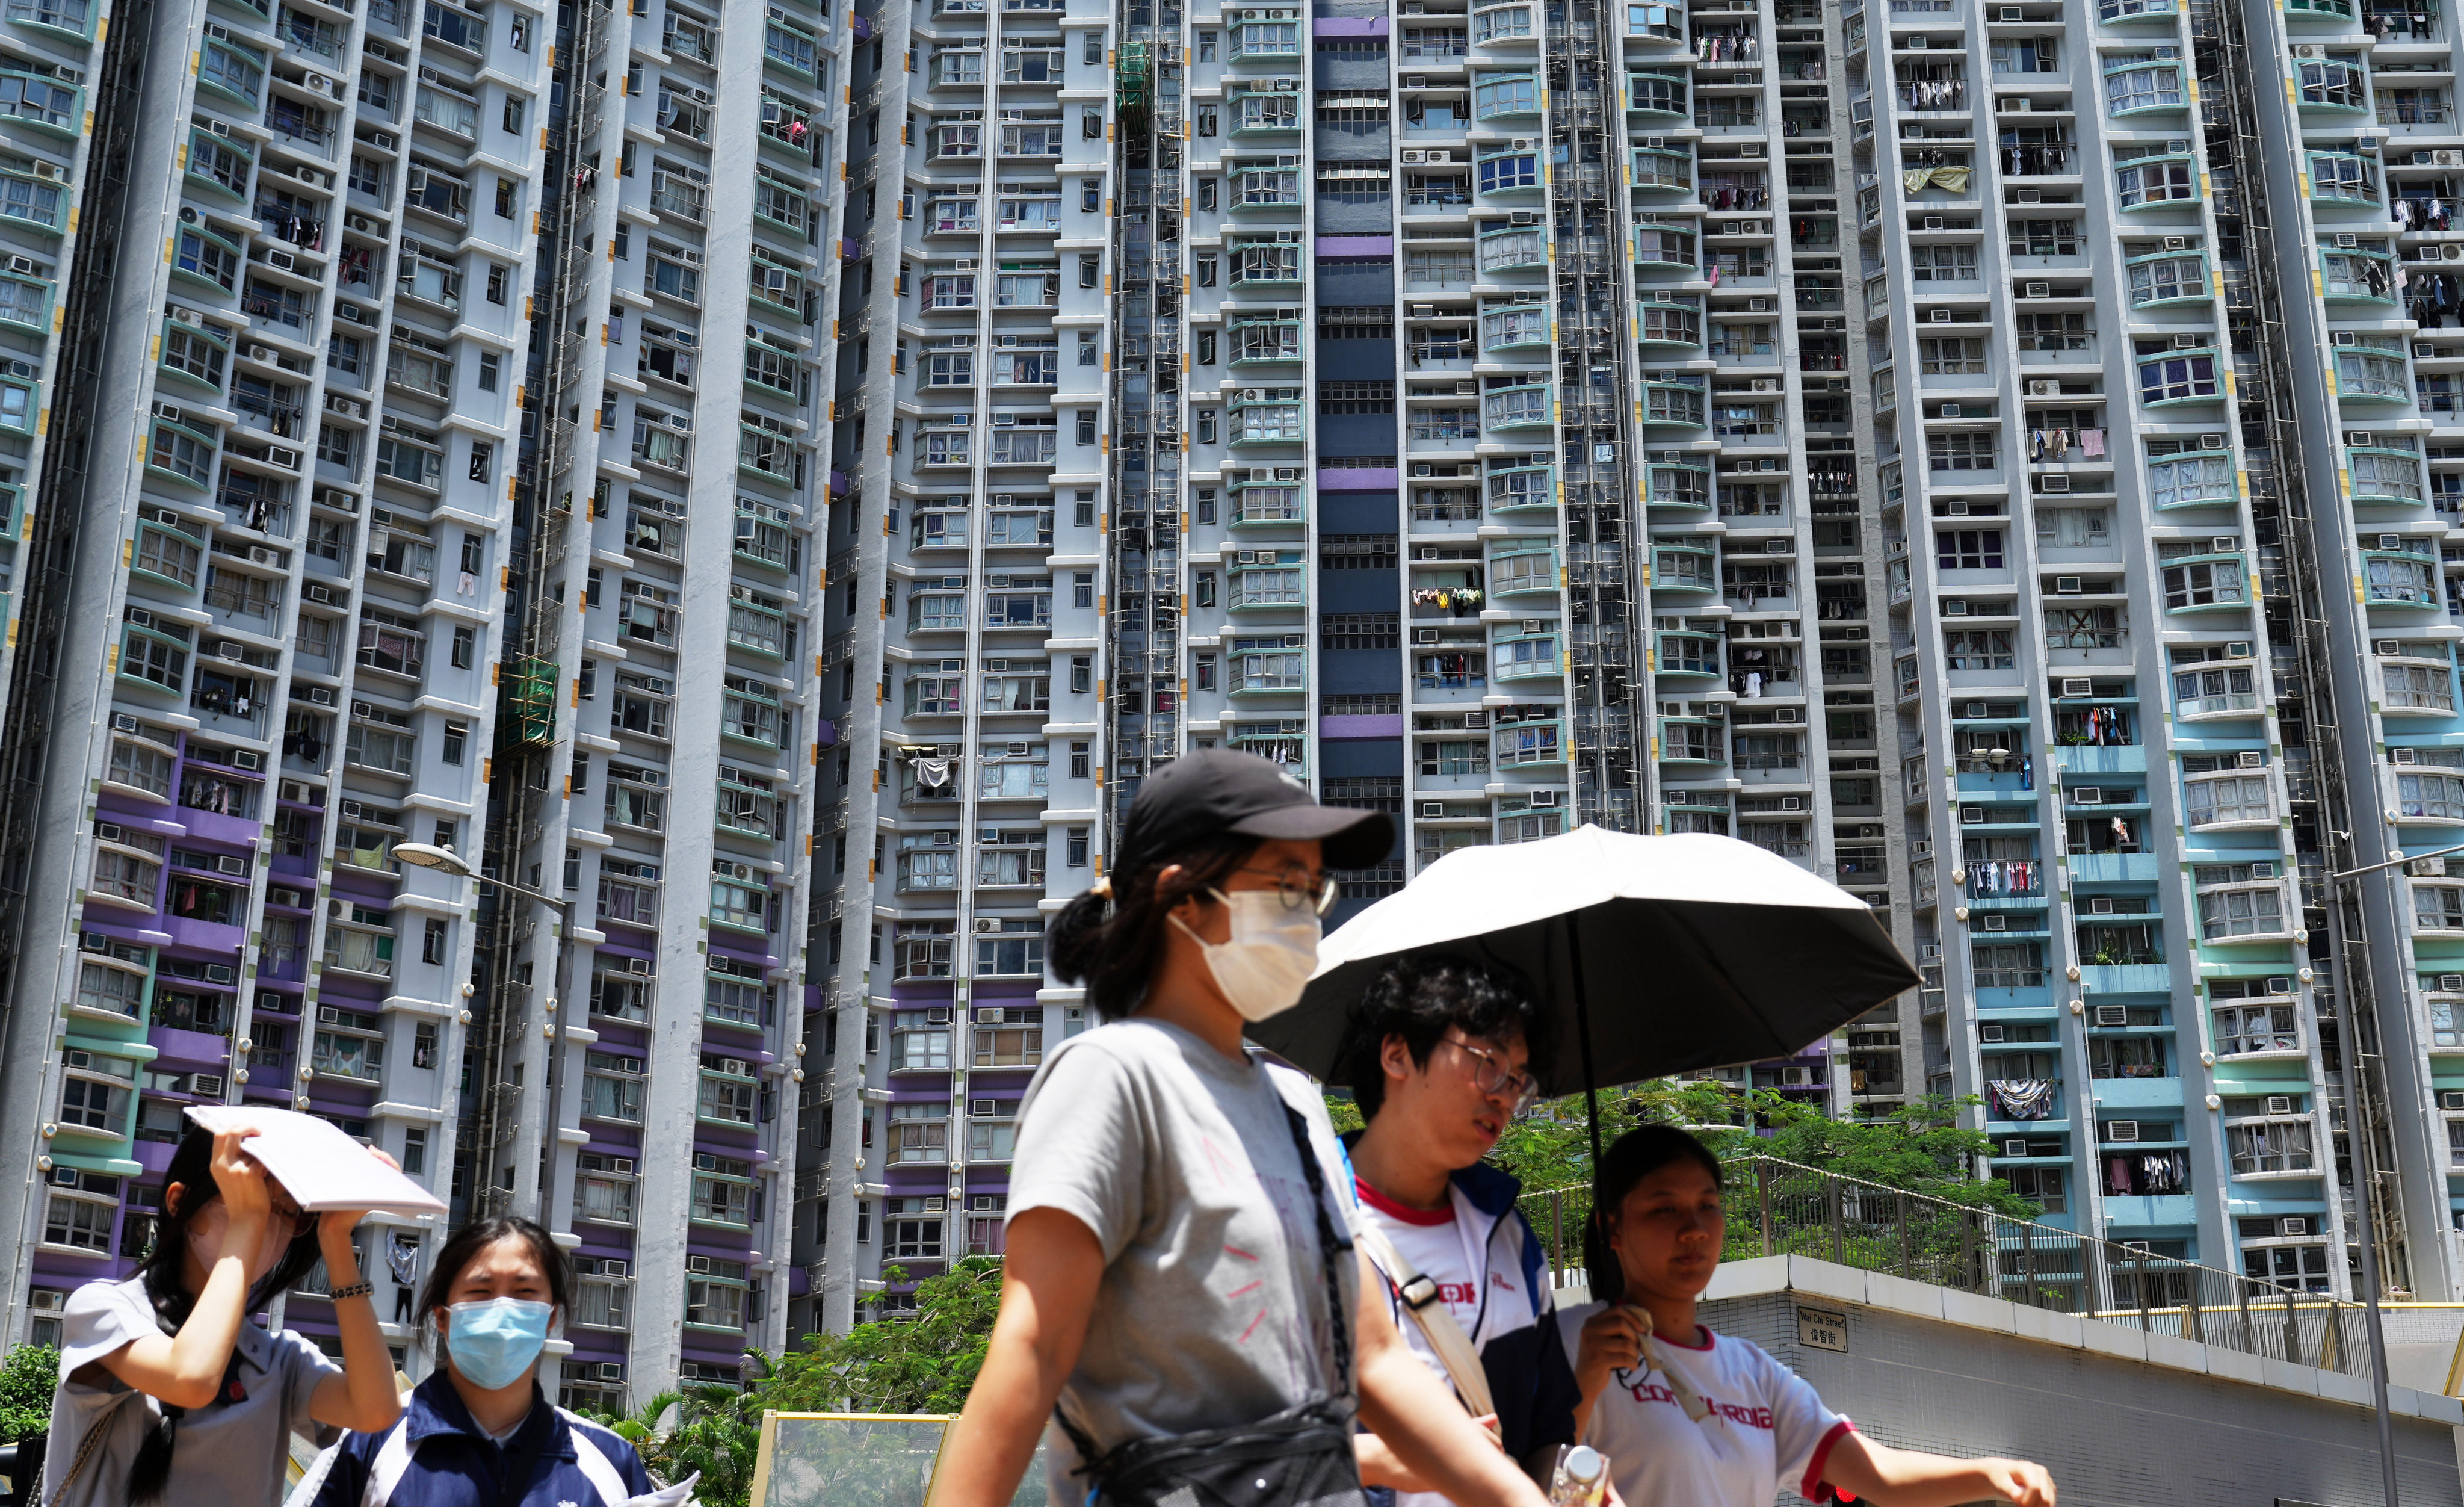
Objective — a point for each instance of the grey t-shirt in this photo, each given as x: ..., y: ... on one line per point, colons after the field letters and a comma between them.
x: 233, y: 1453
x: 1213, y: 1310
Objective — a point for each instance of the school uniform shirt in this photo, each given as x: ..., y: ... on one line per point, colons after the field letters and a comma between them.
x: 1492, y: 1275
x: 232, y: 1452
x: 455, y: 1463
x: 1768, y: 1428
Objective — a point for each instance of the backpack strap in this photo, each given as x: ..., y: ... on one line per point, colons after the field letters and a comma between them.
x: 595, y: 1464
x: 392, y: 1460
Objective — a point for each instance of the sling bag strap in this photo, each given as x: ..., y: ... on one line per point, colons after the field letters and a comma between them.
x: 1419, y: 1295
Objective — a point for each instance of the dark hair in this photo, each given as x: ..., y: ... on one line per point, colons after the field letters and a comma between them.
x: 465, y: 1245
x: 165, y: 1273
x: 1111, y: 937
x: 1629, y: 1158
x: 1419, y: 998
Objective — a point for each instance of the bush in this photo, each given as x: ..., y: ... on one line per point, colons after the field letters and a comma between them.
x: 28, y: 1379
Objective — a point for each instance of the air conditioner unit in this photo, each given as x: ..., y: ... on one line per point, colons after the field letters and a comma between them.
x: 2347, y: 338
x: 1431, y: 810
x: 1989, y: 1032
x: 321, y: 696
x: 2424, y: 350
x: 988, y: 1014
x: 1995, y: 920
x: 2100, y: 905
x: 2069, y: 585
x: 2088, y: 795
x: 2306, y: 50
x: 2388, y: 646
x: 2450, y: 982
x: 2016, y: 1146
x: 2238, y: 648
x: 2403, y: 756
x: 2295, y: 1225
x: 697, y: 1263
x: 1929, y: 952
x: 209, y: 1084
x: 2347, y: 239
x: 2176, y: 242
x: 123, y: 722
x: 2188, y: 342
x: 2052, y: 484
x: 2262, y: 871
x: 1933, y: 222
x: 2077, y: 687
x: 1971, y: 813
x: 2113, y: 1014
x: 2449, y: 159
x: 2450, y: 1101
x: 2281, y: 984
x: 2279, y: 1103
x: 1424, y: 636
x: 1941, y: 316
x: 2041, y: 290
x: 2045, y: 390
x: 2118, y: 1130
x: 1475, y: 718
x: 2031, y: 196
x: 1758, y: 305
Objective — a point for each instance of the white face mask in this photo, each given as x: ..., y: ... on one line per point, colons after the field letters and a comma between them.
x: 1273, y: 952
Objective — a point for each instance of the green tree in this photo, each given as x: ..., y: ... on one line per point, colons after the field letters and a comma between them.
x: 28, y: 1379
x: 921, y: 1362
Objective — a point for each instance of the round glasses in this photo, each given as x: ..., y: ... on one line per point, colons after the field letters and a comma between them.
x: 1298, y: 888
x: 1490, y: 1074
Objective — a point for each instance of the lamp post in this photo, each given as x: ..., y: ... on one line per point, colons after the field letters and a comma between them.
x: 445, y: 860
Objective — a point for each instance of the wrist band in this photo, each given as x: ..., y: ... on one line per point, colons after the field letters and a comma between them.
x: 359, y: 1288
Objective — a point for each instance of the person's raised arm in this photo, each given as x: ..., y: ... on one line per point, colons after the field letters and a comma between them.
x: 1418, y: 1420
x: 1891, y: 1477
x: 185, y: 1370
x: 363, y: 1397
x: 1049, y: 1276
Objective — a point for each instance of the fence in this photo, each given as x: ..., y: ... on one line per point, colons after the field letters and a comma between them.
x: 1778, y: 1207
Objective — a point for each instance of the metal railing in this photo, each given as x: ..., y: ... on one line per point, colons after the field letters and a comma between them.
x: 1778, y: 1207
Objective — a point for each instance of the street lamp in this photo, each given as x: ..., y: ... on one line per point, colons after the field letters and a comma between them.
x: 445, y: 860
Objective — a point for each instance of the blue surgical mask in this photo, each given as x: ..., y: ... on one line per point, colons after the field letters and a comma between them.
x: 493, y: 1342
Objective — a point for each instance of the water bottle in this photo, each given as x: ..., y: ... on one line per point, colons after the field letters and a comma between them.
x: 1581, y: 1478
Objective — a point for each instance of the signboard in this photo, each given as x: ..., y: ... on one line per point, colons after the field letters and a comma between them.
x: 860, y: 1461
x: 1822, y: 1329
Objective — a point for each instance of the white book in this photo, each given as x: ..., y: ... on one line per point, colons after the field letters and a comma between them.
x: 320, y: 1167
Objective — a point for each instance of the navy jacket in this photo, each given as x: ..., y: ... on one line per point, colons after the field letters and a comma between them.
x: 455, y: 1464
x: 1531, y: 1377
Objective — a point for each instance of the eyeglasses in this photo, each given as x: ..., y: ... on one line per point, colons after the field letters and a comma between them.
x: 1300, y: 888
x: 1491, y: 1075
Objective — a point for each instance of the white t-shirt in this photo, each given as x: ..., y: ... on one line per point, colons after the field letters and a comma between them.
x: 1438, y: 1243
x: 1768, y: 1428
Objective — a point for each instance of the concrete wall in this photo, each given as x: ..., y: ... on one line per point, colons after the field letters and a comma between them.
x: 2120, y: 1419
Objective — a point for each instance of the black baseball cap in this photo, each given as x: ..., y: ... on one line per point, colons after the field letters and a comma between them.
x: 1216, y: 790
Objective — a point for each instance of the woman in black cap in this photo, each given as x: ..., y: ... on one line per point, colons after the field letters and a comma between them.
x: 1179, y: 1277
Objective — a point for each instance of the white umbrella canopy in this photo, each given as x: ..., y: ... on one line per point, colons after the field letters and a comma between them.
x: 1650, y: 955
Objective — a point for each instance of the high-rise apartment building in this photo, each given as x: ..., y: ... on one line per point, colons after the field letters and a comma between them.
x: 1899, y: 439
x: 400, y: 499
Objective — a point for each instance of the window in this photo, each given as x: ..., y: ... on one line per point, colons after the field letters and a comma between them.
x: 612, y: 1087
x: 2243, y: 1029
x: 1961, y: 451
x: 2230, y: 798
x: 1969, y: 549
